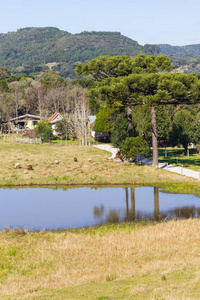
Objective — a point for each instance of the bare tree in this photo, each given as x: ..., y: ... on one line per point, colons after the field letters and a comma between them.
x: 81, y: 113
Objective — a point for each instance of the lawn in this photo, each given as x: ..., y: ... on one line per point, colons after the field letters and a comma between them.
x: 127, y: 261
x: 176, y: 156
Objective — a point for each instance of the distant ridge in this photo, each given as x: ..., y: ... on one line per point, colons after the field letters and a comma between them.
x: 30, y: 49
x: 34, y: 49
x: 178, y: 51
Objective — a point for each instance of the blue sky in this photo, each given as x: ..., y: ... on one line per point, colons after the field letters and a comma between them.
x: 174, y: 22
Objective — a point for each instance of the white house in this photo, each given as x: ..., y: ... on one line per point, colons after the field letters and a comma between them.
x: 54, y: 119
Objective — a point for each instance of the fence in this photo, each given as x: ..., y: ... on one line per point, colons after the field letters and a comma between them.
x: 28, y: 140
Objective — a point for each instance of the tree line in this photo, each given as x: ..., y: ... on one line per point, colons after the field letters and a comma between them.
x: 130, y: 96
x: 43, y: 96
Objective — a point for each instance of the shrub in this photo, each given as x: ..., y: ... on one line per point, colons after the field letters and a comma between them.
x: 44, y: 130
x: 132, y: 146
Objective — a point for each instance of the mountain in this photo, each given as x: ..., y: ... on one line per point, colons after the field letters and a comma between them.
x: 33, y: 49
x: 178, y: 51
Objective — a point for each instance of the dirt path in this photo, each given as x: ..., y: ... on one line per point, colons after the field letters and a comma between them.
x: 171, y: 168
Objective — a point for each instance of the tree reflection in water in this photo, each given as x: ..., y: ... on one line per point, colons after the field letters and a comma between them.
x: 185, y: 212
x: 130, y: 214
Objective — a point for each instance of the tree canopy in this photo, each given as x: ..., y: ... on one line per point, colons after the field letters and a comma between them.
x: 143, y: 80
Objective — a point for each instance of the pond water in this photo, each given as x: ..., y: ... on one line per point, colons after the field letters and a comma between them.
x: 45, y: 208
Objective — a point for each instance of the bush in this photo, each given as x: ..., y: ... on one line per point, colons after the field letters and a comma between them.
x: 44, y: 131
x: 133, y: 146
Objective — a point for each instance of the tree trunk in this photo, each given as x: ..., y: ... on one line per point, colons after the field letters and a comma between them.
x: 154, y: 136
x: 130, y: 124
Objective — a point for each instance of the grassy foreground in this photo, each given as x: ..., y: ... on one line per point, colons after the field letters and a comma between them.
x: 92, y: 168
x: 127, y: 261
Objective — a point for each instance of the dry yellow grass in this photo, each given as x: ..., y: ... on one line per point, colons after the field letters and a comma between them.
x: 99, y: 170
x: 34, y: 262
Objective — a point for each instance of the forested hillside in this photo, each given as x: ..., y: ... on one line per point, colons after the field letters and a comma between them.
x: 29, y: 50
x: 34, y: 49
x: 178, y: 51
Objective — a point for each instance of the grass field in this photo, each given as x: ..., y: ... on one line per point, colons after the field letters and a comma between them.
x: 127, y: 261
x: 176, y: 156
x: 92, y: 168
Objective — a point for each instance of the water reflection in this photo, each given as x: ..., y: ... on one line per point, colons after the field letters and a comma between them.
x: 37, y: 208
x: 130, y: 214
x: 185, y: 212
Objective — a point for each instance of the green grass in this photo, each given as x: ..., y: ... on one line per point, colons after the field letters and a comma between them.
x: 142, y: 287
x: 176, y: 156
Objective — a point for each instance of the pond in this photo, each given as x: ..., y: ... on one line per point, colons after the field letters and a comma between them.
x: 46, y: 208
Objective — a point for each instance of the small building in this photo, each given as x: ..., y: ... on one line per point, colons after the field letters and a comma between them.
x: 27, y: 121
x: 102, y: 137
x: 53, y: 120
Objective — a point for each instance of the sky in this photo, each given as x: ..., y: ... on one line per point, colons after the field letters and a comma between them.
x: 174, y: 22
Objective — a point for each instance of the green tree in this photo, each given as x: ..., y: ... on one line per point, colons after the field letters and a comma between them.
x: 120, y: 130
x: 182, y: 129
x: 44, y: 131
x: 123, y: 79
x: 133, y: 146
x: 136, y: 82
x: 4, y: 73
x: 105, y: 119
x: 196, y: 128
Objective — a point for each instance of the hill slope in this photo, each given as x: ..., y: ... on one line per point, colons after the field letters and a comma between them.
x: 29, y: 47
x: 178, y: 51
x: 34, y: 49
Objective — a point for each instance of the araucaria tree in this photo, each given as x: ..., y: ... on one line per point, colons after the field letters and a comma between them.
x: 144, y: 80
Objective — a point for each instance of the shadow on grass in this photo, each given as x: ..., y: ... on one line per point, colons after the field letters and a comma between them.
x: 176, y: 156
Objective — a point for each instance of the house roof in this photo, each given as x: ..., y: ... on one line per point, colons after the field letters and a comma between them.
x: 55, y: 118
x: 92, y: 119
x: 25, y: 118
